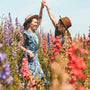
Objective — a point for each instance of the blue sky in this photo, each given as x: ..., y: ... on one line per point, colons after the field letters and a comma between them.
x: 77, y: 10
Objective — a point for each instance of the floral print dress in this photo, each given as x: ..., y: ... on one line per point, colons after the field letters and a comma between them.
x: 31, y: 43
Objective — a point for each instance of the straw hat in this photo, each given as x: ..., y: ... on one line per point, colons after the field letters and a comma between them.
x: 66, y: 21
x: 28, y: 18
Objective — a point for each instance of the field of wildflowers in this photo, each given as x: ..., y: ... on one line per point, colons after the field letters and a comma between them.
x: 66, y: 67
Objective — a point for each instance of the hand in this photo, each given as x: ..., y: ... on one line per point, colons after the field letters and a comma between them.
x: 43, y: 1
x: 30, y: 53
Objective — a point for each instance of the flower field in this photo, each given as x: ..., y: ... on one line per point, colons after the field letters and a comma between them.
x: 66, y: 67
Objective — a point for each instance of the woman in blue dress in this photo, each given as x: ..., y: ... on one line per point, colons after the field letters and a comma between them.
x: 30, y: 37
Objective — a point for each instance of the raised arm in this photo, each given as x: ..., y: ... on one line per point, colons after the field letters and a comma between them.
x: 40, y: 13
x: 52, y: 18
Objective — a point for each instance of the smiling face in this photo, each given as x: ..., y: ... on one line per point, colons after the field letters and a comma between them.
x: 33, y: 24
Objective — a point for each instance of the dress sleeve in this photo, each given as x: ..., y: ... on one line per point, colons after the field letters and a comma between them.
x: 25, y: 33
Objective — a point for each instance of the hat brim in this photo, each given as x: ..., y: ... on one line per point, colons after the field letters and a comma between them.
x: 62, y: 22
x: 34, y: 16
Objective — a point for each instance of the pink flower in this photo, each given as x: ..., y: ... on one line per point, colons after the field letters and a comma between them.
x: 33, y: 82
x: 88, y: 57
x: 31, y: 88
x: 81, y: 88
x: 48, y: 62
x: 25, y: 69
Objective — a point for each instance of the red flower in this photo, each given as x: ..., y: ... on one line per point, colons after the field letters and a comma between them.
x: 81, y: 88
x: 72, y: 82
x: 81, y: 50
x: 53, y: 58
x: 48, y: 62
x: 25, y: 69
x: 80, y: 63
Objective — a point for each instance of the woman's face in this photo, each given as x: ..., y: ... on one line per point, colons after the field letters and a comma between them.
x: 33, y: 24
x: 60, y: 26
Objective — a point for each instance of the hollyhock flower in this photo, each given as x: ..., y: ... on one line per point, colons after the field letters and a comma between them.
x: 86, y: 52
x: 88, y: 57
x: 84, y: 36
x: 80, y: 63
x: 72, y: 82
x: 72, y: 65
x: 82, y: 76
x: 74, y: 78
x: 69, y: 71
x: 31, y: 88
x: 28, y: 83
x: 81, y: 39
x: 83, y: 51
x: 81, y: 88
x: 77, y: 72
x: 48, y: 62
x: 58, y: 45
x: 33, y: 82
x: 52, y: 58
x: 89, y: 35
x: 74, y: 57
x: 44, y: 45
x: 25, y: 69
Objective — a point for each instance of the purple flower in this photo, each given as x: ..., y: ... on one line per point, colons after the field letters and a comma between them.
x: 22, y: 85
x: 7, y: 73
x: 3, y: 56
x: 16, y: 67
x: 6, y: 65
x: 9, y: 80
x: 40, y: 35
x: 49, y: 41
x: 1, y: 74
x: 14, y: 54
x: 25, y: 54
x: 6, y: 25
x: 16, y: 21
x: 10, y: 19
x: 4, y: 76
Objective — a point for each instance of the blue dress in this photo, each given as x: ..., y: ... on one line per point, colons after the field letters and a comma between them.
x: 31, y: 43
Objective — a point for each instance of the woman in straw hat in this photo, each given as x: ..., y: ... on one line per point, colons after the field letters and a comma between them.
x: 61, y: 27
x: 30, y: 37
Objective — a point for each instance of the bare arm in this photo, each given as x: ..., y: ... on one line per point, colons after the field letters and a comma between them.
x: 23, y: 48
x: 52, y: 18
x: 40, y: 13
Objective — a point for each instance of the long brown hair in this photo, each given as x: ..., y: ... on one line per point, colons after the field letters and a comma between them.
x: 63, y: 31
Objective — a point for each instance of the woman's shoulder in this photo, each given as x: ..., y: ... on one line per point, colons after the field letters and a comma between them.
x: 26, y: 32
